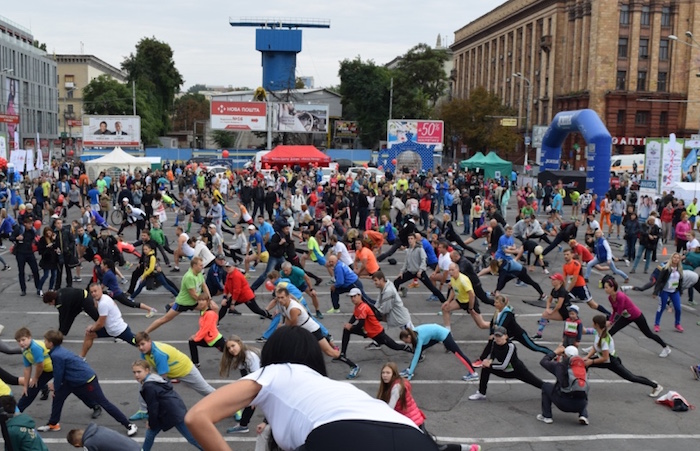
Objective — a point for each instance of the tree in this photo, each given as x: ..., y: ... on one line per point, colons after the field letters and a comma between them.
x: 224, y: 139
x: 40, y: 45
x: 365, y: 90
x: 105, y: 95
x: 476, y: 122
x: 154, y: 71
x: 419, y: 81
x: 189, y: 108
x: 194, y: 89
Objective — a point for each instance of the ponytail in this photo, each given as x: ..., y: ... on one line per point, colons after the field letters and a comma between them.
x: 601, y: 322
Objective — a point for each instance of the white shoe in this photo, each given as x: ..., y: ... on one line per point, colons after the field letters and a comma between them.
x: 583, y: 420
x: 665, y: 352
x: 544, y: 419
x: 657, y: 391
x: 477, y: 396
x: 132, y: 429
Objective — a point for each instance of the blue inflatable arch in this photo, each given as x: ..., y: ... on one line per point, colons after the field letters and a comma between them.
x: 597, y: 138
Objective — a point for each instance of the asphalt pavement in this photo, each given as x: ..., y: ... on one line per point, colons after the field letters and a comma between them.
x: 622, y: 415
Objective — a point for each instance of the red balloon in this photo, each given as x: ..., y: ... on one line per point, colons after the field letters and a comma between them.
x: 365, y: 165
x: 37, y: 224
x: 70, y: 153
x: 224, y: 153
x: 393, y: 161
x: 269, y: 285
x: 320, y: 189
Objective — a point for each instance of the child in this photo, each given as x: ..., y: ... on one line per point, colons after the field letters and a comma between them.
x: 21, y: 428
x: 238, y: 356
x: 96, y: 437
x: 573, y: 329
x: 35, y: 354
x: 165, y: 407
x: 208, y: 335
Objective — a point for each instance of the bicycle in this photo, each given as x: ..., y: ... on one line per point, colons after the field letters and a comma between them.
x: 117, y: 216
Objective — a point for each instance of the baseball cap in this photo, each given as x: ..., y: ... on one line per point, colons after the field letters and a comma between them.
x: 573, y: 307
x: 355, y: 292
x: 221, y: 257
x: 571, y: 351
x: 126, y: 199
x: 228, y: 264
x: 557, y: 276
x: 499, y: 331
x: 251, y: 227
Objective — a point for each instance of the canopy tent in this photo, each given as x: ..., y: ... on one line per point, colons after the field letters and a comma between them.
x: 490, y: 164
x: 114, y: 163
x: 290, y: 155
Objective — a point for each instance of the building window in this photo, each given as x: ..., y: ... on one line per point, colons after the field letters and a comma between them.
x: 661, y: 82
x: 666, y: 16
x: 644, y: 48
x: 644, y: 20
x: 663, y: 118
x: 621, y: 116
x: 641, y: 118
x: 622, y: 47
x: 663, y: 50
x: 69, y: 93
x: 69, y: 78
x: 69, y: 108
x: 624, y: 15
x: 642, y: 80
x: 621, y: 83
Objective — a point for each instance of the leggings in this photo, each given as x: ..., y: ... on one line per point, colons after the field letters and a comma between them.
x: 194, y: 352
x: 504, y: 277
x: 351, y: 435
x: 423, y: 278
x: 521, y: 337
x: 615, y: 365
x: 452, y: 346
x: 663, y: 299
x: 641, y: 323
x: 251, y: 304
x: 519, y: 372
x: 123, y: 299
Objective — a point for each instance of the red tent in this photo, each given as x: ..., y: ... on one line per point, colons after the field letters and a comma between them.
x: 289, y: 155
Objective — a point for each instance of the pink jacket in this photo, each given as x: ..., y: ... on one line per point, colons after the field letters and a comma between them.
x: 683, y: 229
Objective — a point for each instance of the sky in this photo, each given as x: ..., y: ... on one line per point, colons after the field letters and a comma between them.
x: 207, y: 50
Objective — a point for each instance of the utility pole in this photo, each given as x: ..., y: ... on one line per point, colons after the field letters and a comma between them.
x: 391, y: 97
x: 527, y: 113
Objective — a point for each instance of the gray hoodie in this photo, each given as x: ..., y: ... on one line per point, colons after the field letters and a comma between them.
x: 391, y: 305
x: 415, y: 259
x: 100, y: 438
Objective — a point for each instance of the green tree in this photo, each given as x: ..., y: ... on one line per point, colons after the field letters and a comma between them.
x: 189, y: 108
x: 365, y: 90
x: 153, y: 69
x: 224, y: 139
x: 476, y: 122
x: 40, y: 45
x: 105, y: 95
x: 194, y: 89
x: 419, y: 81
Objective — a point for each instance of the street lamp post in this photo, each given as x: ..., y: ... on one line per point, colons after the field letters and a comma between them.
x: 3, y: 73
x: 694, y: 44
x: 527, y: 113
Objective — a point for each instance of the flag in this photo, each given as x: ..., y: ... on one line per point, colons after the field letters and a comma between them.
x: 16, y: 137
x: 39, y: 155
x: 690, y: 160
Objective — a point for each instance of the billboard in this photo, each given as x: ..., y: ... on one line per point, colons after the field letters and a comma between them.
x: 346, y: 129
x: 238, y: 116
x: 111, y: 131
x: 421, y: 132
x: 11, y: 102
x: 299, y: 118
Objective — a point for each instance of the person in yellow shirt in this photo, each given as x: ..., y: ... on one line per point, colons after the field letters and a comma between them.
x: 460, y: 297
x: 34, y: 354
x: 692, y: 210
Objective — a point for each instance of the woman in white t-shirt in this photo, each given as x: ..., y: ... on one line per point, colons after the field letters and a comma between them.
x: 348, y: 419
x: 668, y: 288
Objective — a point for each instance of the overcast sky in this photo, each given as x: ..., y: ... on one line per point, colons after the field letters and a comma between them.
x: 209, y: 51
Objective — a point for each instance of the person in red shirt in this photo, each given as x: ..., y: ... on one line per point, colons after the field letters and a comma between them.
x: 582, y: 251
x: 424, y: 206
x: 237, y: 291
x: 576, y: 285
x: 363, y: 322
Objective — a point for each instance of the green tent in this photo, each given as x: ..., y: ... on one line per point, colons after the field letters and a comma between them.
x: 489, y: 165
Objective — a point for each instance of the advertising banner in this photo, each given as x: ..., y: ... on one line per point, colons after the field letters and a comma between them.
x: 671, y: 162
x: 238, y: 116
x: 299, y: 118
x: 652, y: 160
x: 111, y: 131
x: 11, y: 101
x: 346, y: 129
x: 421, y: 132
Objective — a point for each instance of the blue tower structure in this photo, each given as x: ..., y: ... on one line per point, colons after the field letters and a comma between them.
x: 279, y: 41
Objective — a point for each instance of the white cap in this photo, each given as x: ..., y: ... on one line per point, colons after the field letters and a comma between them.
x: 251, y: 227
x: 126, y: 199
x: 571, y: 351
x: 355, y: 292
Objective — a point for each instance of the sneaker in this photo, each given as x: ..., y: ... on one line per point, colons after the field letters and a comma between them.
x: 6, y: 268
x: 431, y: 298
x: 123, y: 281
x: 353, y: 373
x: 477, y: 397
x: 543, y: 297
x: 581, y: 419
x: 471, y: 377
x: 319, y: 315
x: 44, y: 393
x: 261, y: 340
x: 249, y: 270
x: 406, y: 373
x: 40, y: 292
x: 139, y: 415
x: 656, y: 391
x: 151, y: 313
x: 665, y: 352
x: 536, y: 337
x: 131, y: 429
x: 696, y: 373
x: 546, y: 271
x: 477, y: 364
x: 175, y: 269
x: 96, y: 412
x: 544, y: 419
x: 2, y: 246
x: 626, y: 287
x: 403, y: 291
x: 520, y: 283
x: 238, y: 415
x: 656, y: 328
x: 373, y: 346
x: 627, y: 262
x: 49, y: 428
x: 421, y: 358
x: 333, y: 310
x: 679, y: 328
x: 235, y: 312
x: 693, y: 303
x: 237, y: 430
x: 413, y: 284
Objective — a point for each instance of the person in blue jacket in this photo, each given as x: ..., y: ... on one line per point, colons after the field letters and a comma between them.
x: 431, y: 259
x: 345, y: 280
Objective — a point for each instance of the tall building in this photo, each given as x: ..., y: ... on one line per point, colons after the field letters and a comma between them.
x: 74, y: 73
x: 27, y: 88
x: 614, y: 57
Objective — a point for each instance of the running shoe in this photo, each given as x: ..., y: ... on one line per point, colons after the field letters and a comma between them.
x: 477, y: 396
x: 96, y: 412
x: 656, y: 328
x: 403, y: 291
x: 543, y: 297
x: 477, y: 364
x: 536, y: 337
x: 544, y: 419
x: 627, y: 262
x: 353, y: 373
x: 237, y: 430
x: 175, y: 269
x: 414, y: 284
x: 665, y: 352
x: 656, y: 391
x: 546, y: 271
x: 374, y: 346
x: 696, y: 372
x: 333, y: 310
x: 431, y: 298
x: 319, y: 315
x: 261, y: 340
x: 581, y: 419
x: 520, y: 283
x: 406, y: 373
x: 679, y: 328
x: 151, y: 313
x: 471, y: 377
x: 6, y: 268
x: 49, y: 428
x: 131, y: 429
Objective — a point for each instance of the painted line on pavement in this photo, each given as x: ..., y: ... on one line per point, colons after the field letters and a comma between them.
x: 326, y: 316
x: 375, y: 382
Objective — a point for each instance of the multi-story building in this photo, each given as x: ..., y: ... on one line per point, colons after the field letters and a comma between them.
x: 27, y: 89
x: 620, y: 58
x: 74, y: 73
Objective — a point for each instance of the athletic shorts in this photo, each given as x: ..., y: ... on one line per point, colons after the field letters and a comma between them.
x: 615, y: 219
x: 581, y: 294
x: 183, y: 308
x: 127, y: 335
x: 465, y: 306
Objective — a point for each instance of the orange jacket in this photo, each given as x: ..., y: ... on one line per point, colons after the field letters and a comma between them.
x: 207, y: 327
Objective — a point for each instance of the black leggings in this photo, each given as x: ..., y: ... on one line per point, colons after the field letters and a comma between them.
x: 351, y: 435
x: 504, y: 277
x: 521, y: 337
x: 615, y: 365
x: 451, y: 345
x: 643, y: 326
x: 519, y: 372
x: 252, y: 305
x: 124, y: 300
x: 423, y: 278
x: 219, y: 344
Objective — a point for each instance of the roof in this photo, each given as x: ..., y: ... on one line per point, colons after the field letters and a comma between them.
x: 295, y: 154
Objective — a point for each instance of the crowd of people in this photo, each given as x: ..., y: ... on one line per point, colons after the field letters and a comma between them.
x: 287, y: 232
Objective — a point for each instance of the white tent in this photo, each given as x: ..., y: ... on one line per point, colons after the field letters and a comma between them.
x: 114, y: 163
x: 686, y: 191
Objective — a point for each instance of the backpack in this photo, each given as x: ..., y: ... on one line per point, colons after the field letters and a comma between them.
x: 578, y: 384
x: 379, y: 315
